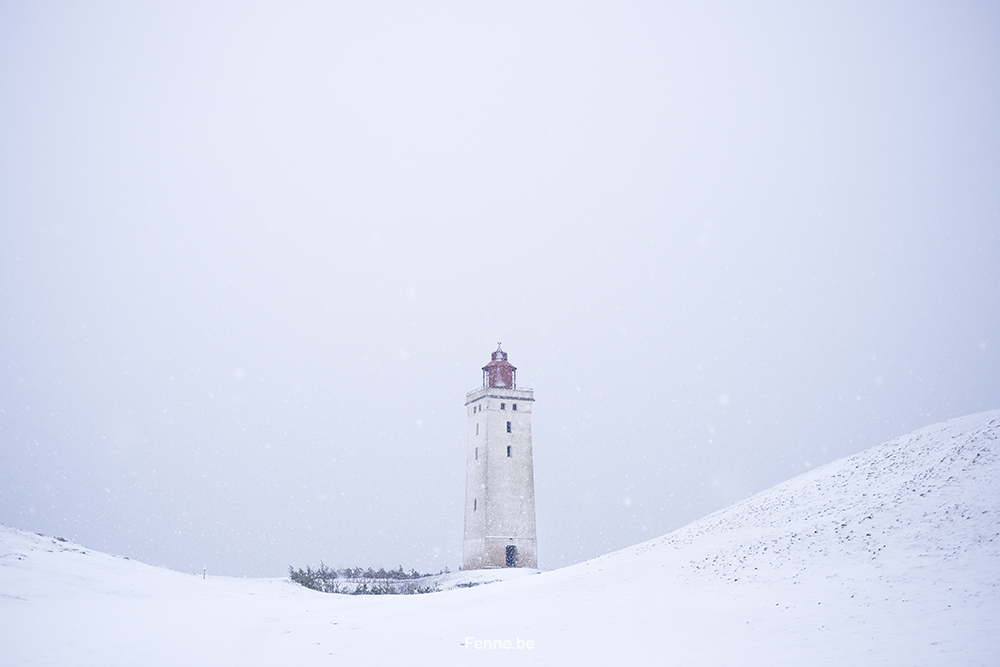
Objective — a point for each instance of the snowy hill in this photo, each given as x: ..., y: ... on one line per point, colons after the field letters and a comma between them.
x: 888, y: 557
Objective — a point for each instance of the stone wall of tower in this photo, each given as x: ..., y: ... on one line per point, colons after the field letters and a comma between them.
x: 500, y: 488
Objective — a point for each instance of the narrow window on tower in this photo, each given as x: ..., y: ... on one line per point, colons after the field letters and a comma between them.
x: 503, y: 406
x: 514, y: 407
x: 508, y: 427
x: 473, y: 504
x: 477, y: 453
x: 477, y: 429
x: 508, y: 451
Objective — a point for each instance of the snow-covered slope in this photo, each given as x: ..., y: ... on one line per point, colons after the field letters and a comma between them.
x: 889, y: 557
x: 928, y: 497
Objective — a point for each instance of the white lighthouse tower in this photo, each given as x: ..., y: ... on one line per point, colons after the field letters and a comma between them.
x: 499, y: 481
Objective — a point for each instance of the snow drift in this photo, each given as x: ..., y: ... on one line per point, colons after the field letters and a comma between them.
x: 888, y: 557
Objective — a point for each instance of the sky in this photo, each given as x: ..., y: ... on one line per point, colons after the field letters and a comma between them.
x: 253, y: 256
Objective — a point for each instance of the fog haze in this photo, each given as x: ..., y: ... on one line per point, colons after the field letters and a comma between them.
x: 253, y: 257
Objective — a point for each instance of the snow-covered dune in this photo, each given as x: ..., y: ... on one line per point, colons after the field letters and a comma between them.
x: 889, y: 557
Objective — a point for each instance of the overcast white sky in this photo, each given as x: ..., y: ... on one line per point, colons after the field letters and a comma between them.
x: 252, y: 257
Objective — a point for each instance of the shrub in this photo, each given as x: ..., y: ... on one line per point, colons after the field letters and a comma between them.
x: 358, y: 581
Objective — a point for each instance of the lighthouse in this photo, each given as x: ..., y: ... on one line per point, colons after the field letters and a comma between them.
x: 499, y: 480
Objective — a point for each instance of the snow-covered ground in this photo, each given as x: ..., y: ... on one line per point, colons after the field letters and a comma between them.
x: 888, y: 557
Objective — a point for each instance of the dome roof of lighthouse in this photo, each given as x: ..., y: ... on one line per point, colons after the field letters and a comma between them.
x: 499, y: 372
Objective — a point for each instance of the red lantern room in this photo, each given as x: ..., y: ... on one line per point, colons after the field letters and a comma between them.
x: 500, y: 372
